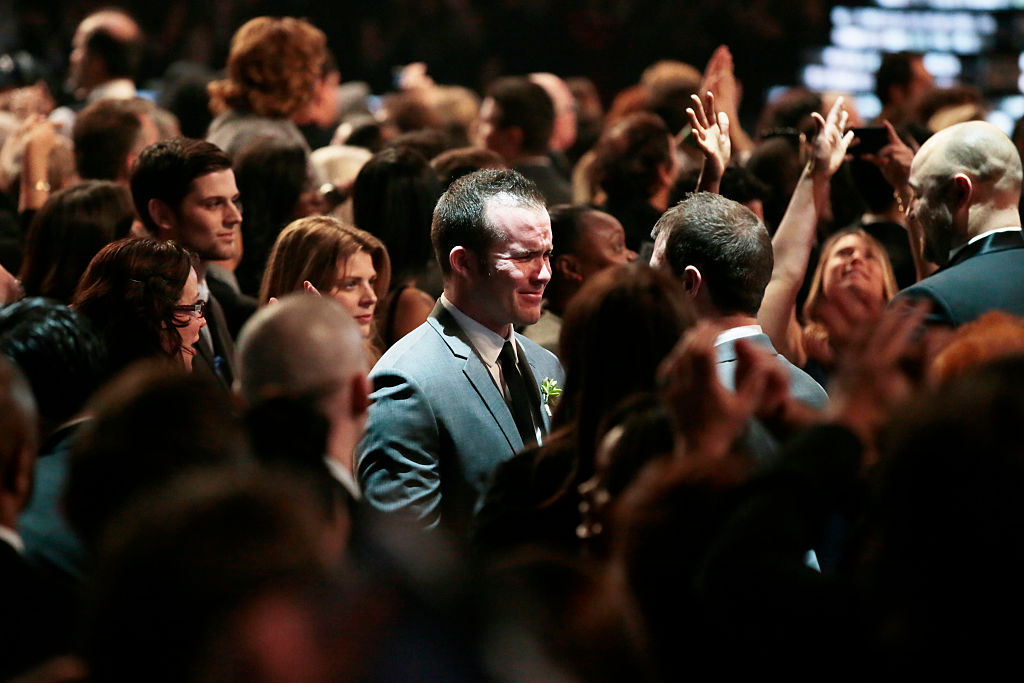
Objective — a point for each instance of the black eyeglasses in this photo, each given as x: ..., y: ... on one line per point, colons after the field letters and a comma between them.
x: 197, y: 310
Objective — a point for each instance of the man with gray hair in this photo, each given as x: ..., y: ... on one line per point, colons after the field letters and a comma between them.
x: 965, y: 183
x: 309, y: 347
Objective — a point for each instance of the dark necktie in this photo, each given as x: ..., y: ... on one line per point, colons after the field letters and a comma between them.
x: 519, y: 396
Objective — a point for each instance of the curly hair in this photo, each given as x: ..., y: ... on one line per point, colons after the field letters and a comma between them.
x: 129, y: 292
x: 273, y: 67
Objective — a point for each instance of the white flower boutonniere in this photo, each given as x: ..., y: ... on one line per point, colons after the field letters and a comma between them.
x: 549, y: 393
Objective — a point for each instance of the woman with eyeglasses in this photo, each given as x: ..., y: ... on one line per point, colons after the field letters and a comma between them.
x: 142, y: 296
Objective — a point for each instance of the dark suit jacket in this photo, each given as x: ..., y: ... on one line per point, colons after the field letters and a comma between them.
x: 759, y: 440
x: 237, y: 307
x: 216, y: 360
x: 984, y: 276
x: 438, y: 425
x: 36, y: 618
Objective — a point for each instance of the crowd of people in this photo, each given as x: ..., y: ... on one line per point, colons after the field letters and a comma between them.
x: 424, y: 385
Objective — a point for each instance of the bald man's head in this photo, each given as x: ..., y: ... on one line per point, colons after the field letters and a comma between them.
x: 563, y: 133
x: 978, y: 149
x: 966, y: 180
x: 106, y: 45
x: 301, y: 345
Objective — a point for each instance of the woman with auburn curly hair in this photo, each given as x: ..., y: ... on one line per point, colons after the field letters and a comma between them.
x: 275, y: 71
x: 142, y: 296
x: 322, y: 255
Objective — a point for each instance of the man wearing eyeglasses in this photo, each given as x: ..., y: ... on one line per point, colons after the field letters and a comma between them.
x: 184, y: 190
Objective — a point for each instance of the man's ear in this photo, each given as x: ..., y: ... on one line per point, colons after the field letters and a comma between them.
x: 568, y: 267
x: 666, y: 175
x: 163, y: 216
x: 463, y: 261
x: 963, y: 190
x: 126, y: 168
x: 692, y: 280
x: 359, y: 393
x: 514, y: 136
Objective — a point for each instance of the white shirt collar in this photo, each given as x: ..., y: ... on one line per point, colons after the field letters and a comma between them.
x: 116, y: 89
x: 487, y: 343
x: 344, y: 477
x: 954, y: 252
x: 740, y: 332
x: 11, y: 537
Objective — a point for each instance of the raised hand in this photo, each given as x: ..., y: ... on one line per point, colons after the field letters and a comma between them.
x: 711, y: 131
x: 720, y: 78
x: 893, y: 160
x: 828, y: 149
x: 879, y: 369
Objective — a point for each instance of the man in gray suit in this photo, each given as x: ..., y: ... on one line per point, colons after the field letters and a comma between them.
x: 462, y: 392
x: 722, y: 254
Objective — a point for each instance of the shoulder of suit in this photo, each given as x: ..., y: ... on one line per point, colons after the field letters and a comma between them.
x: 414, y: 351
x: 533, y: 349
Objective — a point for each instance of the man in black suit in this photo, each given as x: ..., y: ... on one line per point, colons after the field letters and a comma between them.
x: 722, y: 254
x: 965, y: 183
x: 308, y: 348
x: 184, y: 190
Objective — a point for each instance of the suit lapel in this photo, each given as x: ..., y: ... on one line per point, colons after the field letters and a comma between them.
x: 476, y: 372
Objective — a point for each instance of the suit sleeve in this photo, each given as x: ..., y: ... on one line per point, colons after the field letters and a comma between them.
x: 399, y: 467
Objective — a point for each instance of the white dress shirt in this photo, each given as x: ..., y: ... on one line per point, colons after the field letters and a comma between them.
x: 488, y: 345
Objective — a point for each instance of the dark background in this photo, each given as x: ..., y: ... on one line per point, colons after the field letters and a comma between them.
x: 467, y: 42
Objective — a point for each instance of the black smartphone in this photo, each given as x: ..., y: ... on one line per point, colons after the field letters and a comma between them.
x: 870, y: 140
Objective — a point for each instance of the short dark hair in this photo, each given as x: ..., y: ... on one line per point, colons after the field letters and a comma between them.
x: 727, y: 242
x: 629, y: 156
x: 527, y: 105
x: 121, y: 57
x: 104, y: 134
x: 70, y: 228
x: 165, y: 171
x: 896, y: 69
x: 180, y: 421
x: 393, y: 199
x: 455, y: 163
x: 460, y: 215
x: 567, y: 221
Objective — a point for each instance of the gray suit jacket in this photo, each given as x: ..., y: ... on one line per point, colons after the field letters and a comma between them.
x: 758, y: 440
x: 438, y: 425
